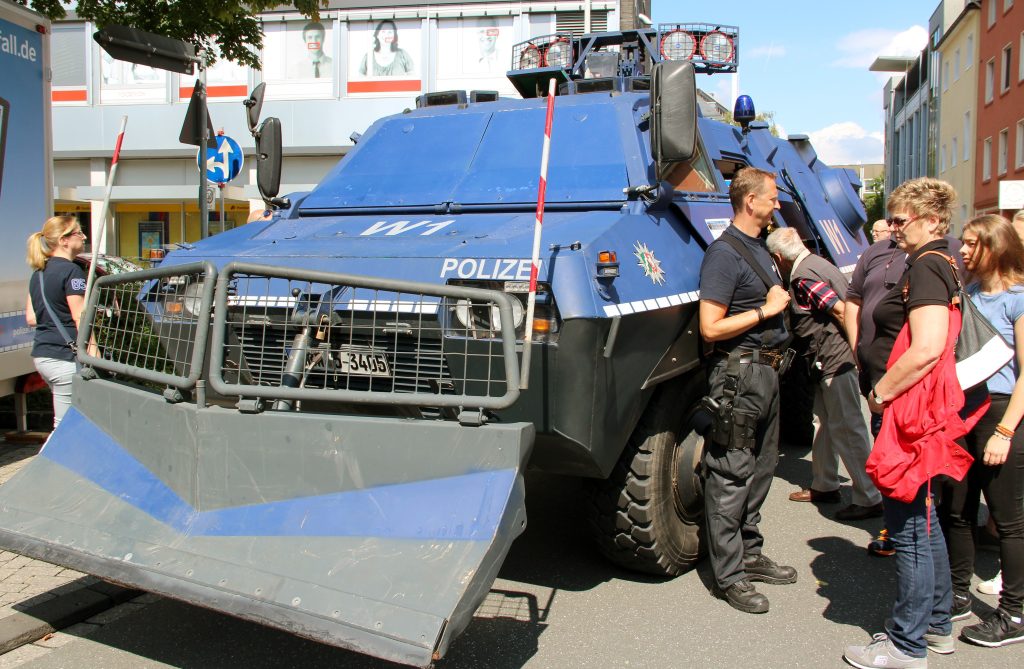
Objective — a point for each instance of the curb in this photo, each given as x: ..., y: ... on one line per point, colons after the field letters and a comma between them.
x: 32, y: 624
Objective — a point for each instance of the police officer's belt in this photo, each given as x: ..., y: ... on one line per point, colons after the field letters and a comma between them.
x: 762, y: 356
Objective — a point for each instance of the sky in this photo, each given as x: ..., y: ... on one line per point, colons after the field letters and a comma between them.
x: 807, y: 61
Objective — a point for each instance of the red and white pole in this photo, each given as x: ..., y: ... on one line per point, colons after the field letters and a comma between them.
x: 98, y: 238
x: 542, y: 187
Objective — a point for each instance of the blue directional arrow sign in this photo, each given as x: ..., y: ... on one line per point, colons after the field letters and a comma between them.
x: 223, y: 163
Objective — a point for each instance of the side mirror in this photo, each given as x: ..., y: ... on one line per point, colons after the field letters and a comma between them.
x: 253, y: 107
x: 673, y: 114
x: 268, y: 158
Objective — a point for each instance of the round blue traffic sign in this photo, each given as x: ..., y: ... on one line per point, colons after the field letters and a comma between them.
x: 223, y: 163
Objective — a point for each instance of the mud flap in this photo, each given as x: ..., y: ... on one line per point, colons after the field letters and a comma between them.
x: 375, y: 534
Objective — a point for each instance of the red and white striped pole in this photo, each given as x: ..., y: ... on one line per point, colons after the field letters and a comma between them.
x: 98, y: 238
x: 542, y: 187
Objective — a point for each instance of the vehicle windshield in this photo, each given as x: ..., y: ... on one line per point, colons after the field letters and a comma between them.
x: 480, y: 158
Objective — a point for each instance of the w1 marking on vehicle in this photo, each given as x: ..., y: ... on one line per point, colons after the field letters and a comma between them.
x: 391, y: 228
x: 508, y: 269
x: 831, y: 228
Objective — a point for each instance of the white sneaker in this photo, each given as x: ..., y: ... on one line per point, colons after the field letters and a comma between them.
x: 993, y: 586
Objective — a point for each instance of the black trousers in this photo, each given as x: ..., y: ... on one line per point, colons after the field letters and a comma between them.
x: 1003, y: 487
x: 737, y: 480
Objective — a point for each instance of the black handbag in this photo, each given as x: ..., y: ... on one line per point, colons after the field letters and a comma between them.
x: 980, y: 350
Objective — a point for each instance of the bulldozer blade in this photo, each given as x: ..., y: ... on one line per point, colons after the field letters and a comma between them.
x: 380, y: 535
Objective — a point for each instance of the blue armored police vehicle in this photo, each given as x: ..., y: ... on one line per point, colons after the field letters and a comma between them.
x: 320, y: 421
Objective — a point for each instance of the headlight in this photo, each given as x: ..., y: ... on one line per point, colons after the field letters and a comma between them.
x: 475, y: 317
x: 483, y: 320
x: 193, y: 298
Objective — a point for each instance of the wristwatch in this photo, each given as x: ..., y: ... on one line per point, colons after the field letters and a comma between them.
x: 875, y: 398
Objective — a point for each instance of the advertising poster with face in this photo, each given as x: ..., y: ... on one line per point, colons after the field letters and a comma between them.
x: 298, y: 59
x: 474, y: 53
x: 384, y: 57
x: 224, y: 79
x: 129, y: 82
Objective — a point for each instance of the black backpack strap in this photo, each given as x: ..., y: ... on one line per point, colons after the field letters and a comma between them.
x: 745, y: 253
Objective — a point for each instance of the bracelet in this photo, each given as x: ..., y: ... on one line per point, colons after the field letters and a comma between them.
x: 1001, y: 436
x: 1004, y: 431
x: 760, y: 314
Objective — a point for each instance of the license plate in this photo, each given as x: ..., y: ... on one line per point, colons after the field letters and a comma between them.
x: 362, y: 361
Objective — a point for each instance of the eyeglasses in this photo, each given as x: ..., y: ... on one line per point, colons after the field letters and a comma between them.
x: 900, y: 221
x: 74, y: 233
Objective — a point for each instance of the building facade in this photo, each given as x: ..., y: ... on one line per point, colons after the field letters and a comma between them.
x: 1000, y: 103
x: 326, y: 81
x: 907, y: 103
x: 957, y: 108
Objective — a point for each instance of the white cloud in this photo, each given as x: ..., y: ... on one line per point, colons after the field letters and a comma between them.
x: 847, y: 142
x: 859, y: 49
x: 720, y: 89
x: 766, y: 51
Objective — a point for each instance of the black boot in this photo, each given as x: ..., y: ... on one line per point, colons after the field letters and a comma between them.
x: 762, y: 568
x: 742, y: 596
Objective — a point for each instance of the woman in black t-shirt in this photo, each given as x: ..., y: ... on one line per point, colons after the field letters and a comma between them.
x: 51, y: 253
x: 920, y: 211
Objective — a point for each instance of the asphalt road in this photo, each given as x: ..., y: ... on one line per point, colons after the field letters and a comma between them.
x: 558, y: 604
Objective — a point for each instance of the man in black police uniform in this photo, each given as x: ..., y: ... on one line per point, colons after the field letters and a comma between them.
x: 742, y: 316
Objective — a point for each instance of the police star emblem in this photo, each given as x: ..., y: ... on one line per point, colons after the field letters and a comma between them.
x: 648, y: 263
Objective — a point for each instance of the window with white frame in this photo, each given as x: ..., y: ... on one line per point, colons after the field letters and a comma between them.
x: 1019, y: 162
x: 986, y: 160
x: 70, y: 48
x: 969, y: 52
x: 1007, y: 62
x: 967, y: 135
x: 942, y: 159
x: 991, y: 13
x: 952, y: 154
x: 1004, y: 140
x: 956, y: 65
x: 990, y: 79
x: 1020, y: 57
x: 945, y: 76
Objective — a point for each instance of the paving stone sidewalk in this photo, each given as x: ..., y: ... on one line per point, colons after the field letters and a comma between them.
x: 25, y: 582
x: 38, y: 599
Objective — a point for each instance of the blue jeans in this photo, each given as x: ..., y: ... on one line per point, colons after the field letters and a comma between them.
x: 924, y: 592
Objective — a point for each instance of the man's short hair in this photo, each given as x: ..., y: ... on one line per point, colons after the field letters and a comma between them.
x: 314, y: 25
x: 882, y: 221
x: 786, y: 242
x: 747, y: 180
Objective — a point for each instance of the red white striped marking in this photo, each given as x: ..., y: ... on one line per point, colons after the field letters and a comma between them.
x: 542, y: 187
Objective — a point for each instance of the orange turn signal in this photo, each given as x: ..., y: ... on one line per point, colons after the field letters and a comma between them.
x: 607, y: 256
x: 173, y: 308
x: 541, y: 325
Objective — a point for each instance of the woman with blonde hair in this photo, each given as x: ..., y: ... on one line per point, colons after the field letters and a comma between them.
x: 56, y: 298
x: 994, y: 256
x: 912, y: 373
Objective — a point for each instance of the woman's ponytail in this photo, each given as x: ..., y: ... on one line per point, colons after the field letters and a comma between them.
x: 42, y: 244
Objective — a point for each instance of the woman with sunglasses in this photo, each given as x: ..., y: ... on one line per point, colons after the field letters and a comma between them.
x: 994, y: 257
x: 51, y: 253
x: 912, y: 372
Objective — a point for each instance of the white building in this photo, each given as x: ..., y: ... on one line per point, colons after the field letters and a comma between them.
x: 322, y: 96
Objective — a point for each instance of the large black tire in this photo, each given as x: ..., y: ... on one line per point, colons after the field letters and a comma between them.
x: 649, y: 514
